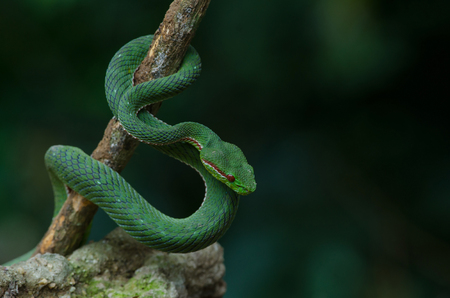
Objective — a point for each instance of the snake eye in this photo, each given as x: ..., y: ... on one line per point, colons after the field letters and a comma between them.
x: 230, y: 178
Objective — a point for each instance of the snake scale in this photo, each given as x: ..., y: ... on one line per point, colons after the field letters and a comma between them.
x: 222, y: 165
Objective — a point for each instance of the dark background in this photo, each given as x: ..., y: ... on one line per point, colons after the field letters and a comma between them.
x: 340, y: 106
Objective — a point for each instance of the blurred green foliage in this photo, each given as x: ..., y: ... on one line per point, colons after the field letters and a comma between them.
x: 340, y: 106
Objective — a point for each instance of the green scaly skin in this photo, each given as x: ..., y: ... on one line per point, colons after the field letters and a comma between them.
x: 222, y: 165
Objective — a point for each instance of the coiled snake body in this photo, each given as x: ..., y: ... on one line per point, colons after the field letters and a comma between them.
x: 222, y: 165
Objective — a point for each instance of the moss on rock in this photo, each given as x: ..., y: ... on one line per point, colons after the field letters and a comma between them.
x: 117, y: 266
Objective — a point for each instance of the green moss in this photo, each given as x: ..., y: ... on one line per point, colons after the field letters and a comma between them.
x: 80, y: 272
x: 97, y: 287
x: 138, y: 286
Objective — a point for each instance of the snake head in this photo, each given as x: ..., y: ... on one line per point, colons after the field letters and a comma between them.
x: 227, y: 163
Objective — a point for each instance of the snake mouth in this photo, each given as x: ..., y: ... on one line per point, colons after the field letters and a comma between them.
x: 244, y: 191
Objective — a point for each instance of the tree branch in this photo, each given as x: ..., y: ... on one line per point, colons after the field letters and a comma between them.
x: 164, y: 57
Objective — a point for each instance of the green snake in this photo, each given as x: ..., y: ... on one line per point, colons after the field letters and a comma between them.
x: 222, y: 165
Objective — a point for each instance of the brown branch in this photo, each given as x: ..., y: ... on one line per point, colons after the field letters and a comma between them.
x: 171, y: 41
x: 169, y: 46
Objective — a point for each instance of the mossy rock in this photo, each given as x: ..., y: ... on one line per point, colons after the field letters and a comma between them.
x: 117, y: 266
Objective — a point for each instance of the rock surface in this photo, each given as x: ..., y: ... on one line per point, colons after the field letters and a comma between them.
x: 117, y: 266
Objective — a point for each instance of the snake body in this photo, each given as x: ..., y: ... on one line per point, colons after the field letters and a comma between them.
x: 222, y: 166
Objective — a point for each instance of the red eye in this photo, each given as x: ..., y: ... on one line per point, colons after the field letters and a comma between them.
x: 230, y: 178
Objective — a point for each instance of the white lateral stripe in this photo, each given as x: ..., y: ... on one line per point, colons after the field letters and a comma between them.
x: 215, y: 170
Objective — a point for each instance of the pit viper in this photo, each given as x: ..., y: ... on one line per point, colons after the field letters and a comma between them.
x: 222, y: 165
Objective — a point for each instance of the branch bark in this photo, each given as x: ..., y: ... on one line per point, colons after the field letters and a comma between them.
x: 164, y: 57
